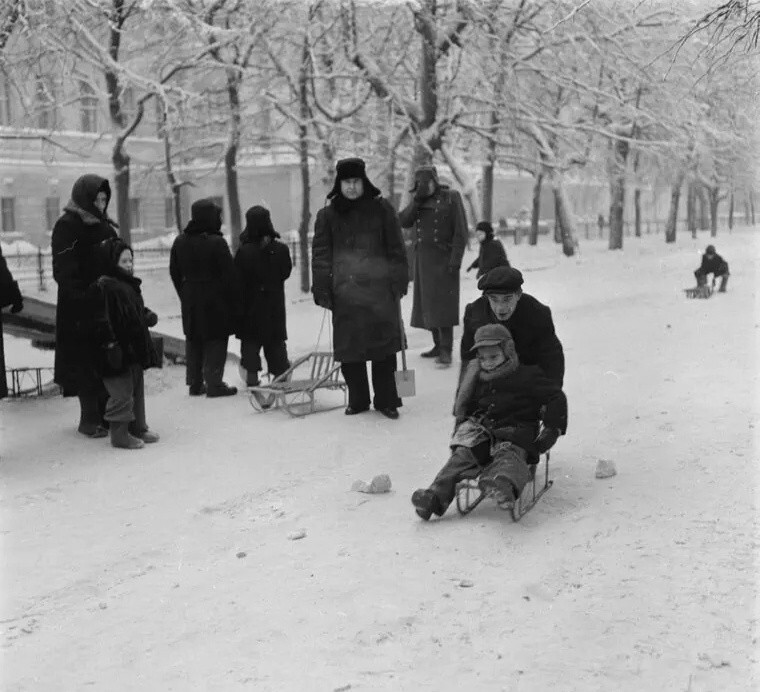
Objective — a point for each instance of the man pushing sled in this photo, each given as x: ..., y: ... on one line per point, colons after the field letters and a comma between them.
x: 498, y: 416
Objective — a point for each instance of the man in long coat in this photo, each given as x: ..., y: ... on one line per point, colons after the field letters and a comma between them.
x: 76, y: 237
x: 436, y: 214
x: 360, y: 272
x: 203, y: 274
x: 10, y: 295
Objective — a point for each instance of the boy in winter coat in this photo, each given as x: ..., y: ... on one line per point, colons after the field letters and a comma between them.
x: 497, y: 410
x: 492, y: 253
x: 263, y: 265
x: 127, y: 348
x: 712, y: 263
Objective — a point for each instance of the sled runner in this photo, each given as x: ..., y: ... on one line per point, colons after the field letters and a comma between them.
x: 296, y: 388
x: 699, y: 292
x: 469, y: 495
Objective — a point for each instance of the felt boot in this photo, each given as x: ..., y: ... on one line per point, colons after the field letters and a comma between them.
x: 121, y: 438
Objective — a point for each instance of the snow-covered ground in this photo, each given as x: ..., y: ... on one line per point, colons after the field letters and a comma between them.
x: 171, y: 569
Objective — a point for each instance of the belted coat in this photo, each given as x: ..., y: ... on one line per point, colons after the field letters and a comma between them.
x: 359, y: 268
x: 439, y: 237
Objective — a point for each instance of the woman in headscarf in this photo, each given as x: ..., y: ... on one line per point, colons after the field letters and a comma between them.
x: 360, y: 272
x: 83, y: 225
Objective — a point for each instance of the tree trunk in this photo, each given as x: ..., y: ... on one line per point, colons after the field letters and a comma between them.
x: 752, y: 207
x: 617, y: 193
x: 486, y: 205
x: 703, y: 206
x: 731, y: 211
x: 120, y: 161
x: 637, y: 211
x: 174, y: 185
x: 564, y: 215
x: 672, y: 222
x: 230, y: 158
x: 535, y: 209
x: 691, y: 212
x: 303, y: 152
x: 714, y: 198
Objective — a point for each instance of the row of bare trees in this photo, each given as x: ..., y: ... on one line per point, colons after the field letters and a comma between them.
x: 640, y: 94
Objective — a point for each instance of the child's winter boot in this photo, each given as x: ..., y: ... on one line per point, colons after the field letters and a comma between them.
x: 426, y: 503
x: 121, y: 438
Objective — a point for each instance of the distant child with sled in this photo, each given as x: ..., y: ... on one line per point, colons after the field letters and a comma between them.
x: 492, y: 253
x: 127, y: 347
x: 497, y: 410
x: 712, y: 263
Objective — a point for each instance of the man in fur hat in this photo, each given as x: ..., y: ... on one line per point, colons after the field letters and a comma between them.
x: 360, y: 272
x: 436, y: 214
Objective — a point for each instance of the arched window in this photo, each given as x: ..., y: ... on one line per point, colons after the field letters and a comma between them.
x: 45, y: 104
x: 88, y: 103
x: 5, y: 101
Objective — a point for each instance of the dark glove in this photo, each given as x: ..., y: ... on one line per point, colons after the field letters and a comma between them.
x: 114, y: 356
x: 323, y: 300
x: 546, y: 439
x: 151, y: 318
x: 16, y: 302
x: 18, y: 306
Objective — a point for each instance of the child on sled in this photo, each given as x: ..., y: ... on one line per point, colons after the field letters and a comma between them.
x: 497, y: 414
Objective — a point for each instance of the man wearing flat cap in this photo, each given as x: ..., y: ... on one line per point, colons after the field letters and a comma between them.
x: 436, y: 215
x: 359, y: 272
x: 529, y: 321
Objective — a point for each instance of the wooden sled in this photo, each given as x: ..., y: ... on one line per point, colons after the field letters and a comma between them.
x: 699, y: 292
x: 469, y: 495
x: 296, y: 388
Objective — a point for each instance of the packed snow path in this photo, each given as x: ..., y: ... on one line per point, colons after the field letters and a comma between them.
x: 171, y: 569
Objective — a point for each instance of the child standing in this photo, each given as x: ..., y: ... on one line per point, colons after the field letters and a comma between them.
x: 498, y: 411
x: 127, y: 348
x: 492, y: 253
x: 263, y: 265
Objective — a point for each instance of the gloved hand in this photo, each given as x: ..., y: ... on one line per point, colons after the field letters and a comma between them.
x: 323, y: 300
x: 546, y: 439
x: 114, y: 356
x: 18, y: 306
x: 151, y: 318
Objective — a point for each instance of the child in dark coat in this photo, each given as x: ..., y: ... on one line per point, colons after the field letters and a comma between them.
x: 492, y: 253
x: 497, y: 410
x: 127, y: 347
x: 712, y: 263
x: 263, y: 265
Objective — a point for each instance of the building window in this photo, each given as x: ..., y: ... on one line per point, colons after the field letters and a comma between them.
x: 168, y: 212
x: 88, y: 103
x: 135, y: 217
x: 7, y: 215
x: 45, y: 103
x: 5, y: 101
x: 52, y: 211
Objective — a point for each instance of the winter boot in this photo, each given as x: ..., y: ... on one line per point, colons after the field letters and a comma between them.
x: 426, y: 503
x: 444, y: 359
x: 432, y: 353
x: 121, y: 438
x: 147, y: 436
x: 197, y: 389
x: 221, y: 390
x: 498, y: 486
x: 723, y: 283
x: 90, y: 416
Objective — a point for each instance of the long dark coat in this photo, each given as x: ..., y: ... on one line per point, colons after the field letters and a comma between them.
x: 359, y: 265
x: 262, y: 272
x: 532, y: 329
x: 9, y: 295
x: 75, y: 240
x: 439, y: 238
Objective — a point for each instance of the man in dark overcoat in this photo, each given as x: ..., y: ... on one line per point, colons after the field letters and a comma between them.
x: 529, y: 321
x: 263, y: 265
x: 10, y: 295
x: 436, y: 215
x: 75, y: 243
x: 203, y: 274
x: 360, y: 272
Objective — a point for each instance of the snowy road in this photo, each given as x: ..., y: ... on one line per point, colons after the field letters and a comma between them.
x: 122, y: 569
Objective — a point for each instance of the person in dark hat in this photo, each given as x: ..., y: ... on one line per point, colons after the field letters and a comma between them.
x: 126, y: 345
x: 360, y: 272
x: 436, y: 215
x: 263, y: 265
x: 203, y: 274
x: 529, y: 322
x: 491, y: 254
x: 10, y: 296
x: 498, y: 414
x: 76, y: 236
x: 712, y: 263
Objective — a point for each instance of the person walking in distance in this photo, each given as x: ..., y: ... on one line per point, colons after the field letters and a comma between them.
x: 360, y: 272
x: 203, y: 274
x: 436, y: 215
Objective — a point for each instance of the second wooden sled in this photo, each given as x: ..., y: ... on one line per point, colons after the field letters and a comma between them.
x: 295, y: 389
x: 469, y: 495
